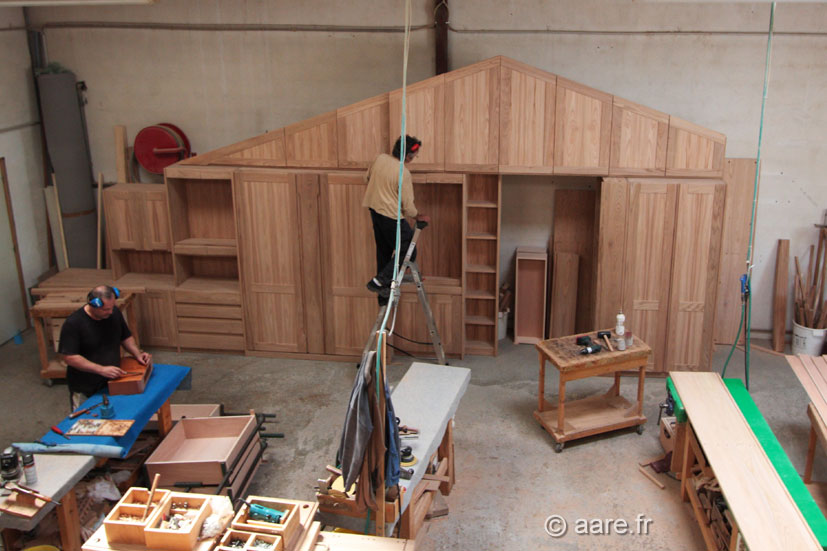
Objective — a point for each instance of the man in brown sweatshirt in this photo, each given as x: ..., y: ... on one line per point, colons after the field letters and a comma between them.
x: 381, y: 197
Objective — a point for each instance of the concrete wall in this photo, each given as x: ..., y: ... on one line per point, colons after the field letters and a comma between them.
x: 20, y: 146
x: 702, y: 62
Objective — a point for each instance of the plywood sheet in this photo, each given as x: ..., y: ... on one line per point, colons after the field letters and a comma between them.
x: 425, y: 119
x: 639, y: 136
x: 693, y: 150
x: 766, y: 514
x: 696, y: 255
x: 739, y: 176
x: 564, y: 278
x: 313, y: 143
x: 472, y: 117
x: 363, y: 132
x: 527, y: 107
x: 582, y: 129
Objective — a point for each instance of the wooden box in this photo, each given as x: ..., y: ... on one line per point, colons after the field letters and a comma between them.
x: 136, y: 379
x: 289, y: 529
x: 530, y: 295
x: 133, y: 503
x: 181, y: 411
x: 667, y: 433
x: 193, y: 506
x: 250, y: 539
x: 203, y: 450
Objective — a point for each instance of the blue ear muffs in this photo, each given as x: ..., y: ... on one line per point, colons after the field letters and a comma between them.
x: 96, y: 302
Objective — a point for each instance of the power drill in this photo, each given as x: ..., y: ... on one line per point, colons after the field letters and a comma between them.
x: 265, y: 514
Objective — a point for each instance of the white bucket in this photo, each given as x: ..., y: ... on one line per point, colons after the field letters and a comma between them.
x: 808, y: 341
x: 502, y: 325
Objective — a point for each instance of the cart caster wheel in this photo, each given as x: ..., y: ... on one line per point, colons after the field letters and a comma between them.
x: 558, y: 447
x: 640, y: 429
x: 48, y: 382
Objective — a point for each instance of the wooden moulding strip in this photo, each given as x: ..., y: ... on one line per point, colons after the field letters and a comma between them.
x: 765, y: 512
x: 779, y: 304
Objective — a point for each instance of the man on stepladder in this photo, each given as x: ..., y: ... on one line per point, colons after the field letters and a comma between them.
x: 381, y: 197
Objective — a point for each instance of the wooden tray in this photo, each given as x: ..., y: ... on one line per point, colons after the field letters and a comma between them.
x: 249, y: 538
x: 158, y: 538
x: 289, y: 529
x: 132, y: 503
x: 131, y: 384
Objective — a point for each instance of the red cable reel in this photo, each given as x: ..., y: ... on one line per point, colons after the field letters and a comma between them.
x: 158, y: 146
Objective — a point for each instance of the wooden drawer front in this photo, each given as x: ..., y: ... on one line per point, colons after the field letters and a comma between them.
x: 207, y: 325
x: 208, y: 311
x: 198, y: 297
x: 210, y: 341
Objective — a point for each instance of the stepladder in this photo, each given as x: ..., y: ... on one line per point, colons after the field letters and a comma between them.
x: 408, y: 273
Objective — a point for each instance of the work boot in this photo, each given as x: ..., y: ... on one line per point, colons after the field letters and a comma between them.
x: 375, y: 286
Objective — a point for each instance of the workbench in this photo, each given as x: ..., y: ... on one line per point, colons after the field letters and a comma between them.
x: 49, y: 313
x: 57, y: 476
x: 570, y: 420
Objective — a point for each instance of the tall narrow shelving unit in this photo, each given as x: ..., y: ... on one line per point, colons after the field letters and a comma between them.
x: 205, y: 258
x: 481, y: 254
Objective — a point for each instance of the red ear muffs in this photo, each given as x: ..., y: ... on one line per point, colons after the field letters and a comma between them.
x: 415, y: 147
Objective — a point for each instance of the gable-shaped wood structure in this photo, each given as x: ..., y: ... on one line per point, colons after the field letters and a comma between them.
x: 269, y: 247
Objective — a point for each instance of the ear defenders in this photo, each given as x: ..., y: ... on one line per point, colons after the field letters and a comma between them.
x: 96, y: 302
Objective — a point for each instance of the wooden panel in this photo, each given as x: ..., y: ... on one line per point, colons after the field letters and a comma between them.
x: 561, y: 319
x: 739, y: 175
x: 141, y: 262
x: 270, y: 261
x: 696, y: 254
x: 530, y: 294
x: 582, y: 129
x: 208, y: 311
x: 410, y: 323
x: 440, y: 244
x: 527, y: 109
x: 307, y: 187
x: 766, y: 514
x: 574, y: 232
x: 208, y: 210
x: 779, y: 300
x: 206, y: 325
x: 185, y: 296
x: 425, y: 104
x: 472, y: 116
x: 363, y: 132
x: 611, y: 251
x: 648, y: 263
x: 156, y: 220
x: 210, y: 341
x: 156, y: 320
x: 123, y: 219
x: 638, y: 139
x: 266, y: 150
x: 348, y: 262
x: 312, y: 143
x: 694, y: 150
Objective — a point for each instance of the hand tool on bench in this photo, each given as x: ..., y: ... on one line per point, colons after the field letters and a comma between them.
x: 605, y: 336
x: 84, y: 410
x: 25, y: 490
x: 151, y: 495
x: 60, y: 432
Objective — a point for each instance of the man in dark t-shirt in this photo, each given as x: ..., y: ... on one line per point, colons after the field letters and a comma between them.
x: 90, y: 343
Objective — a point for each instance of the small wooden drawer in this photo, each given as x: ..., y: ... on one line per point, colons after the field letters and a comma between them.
x: 231, y: 541
x: 288, y: 529
x: 185, y: 296
x: 213, y: 311
x: 214, y: 326
x: 133, y: 504
x: 201, y: 449
x: 194, y: 507
x: 180, y: 411
x: 210, y: 341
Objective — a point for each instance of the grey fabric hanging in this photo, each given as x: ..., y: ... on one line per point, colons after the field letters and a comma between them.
x: 358, y: 424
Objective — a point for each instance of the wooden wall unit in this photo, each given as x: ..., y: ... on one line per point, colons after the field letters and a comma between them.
x: 472, y: 117
x: 313, y: 143
x: 425, y: 119
x: 363, y: 132
x: 639, y: 137
x: 696, y: 254
x: 527, y: 108
x: 694, y: 151
x: 582, y: 129
x: 646, y: 277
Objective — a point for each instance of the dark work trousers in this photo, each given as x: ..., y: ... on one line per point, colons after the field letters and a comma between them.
x: 384, y: 232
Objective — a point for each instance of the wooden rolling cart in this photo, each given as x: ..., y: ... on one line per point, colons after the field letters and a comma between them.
x: 596, y: 414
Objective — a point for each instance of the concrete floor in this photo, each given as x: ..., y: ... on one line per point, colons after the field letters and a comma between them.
x: 509, y: 480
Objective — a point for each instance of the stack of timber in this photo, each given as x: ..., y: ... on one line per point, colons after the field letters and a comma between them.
x: 810, y: 305
x: 716, y: 511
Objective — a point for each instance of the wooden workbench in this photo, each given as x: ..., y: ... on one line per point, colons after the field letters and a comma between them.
x: 596, y: 414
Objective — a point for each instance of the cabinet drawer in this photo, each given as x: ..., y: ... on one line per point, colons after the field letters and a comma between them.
x: 221, y: 311
x: 208, y: 325
x: 199, y: 297
x: 209, y: 341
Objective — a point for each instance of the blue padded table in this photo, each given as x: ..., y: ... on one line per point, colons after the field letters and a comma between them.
x: 164, y: 380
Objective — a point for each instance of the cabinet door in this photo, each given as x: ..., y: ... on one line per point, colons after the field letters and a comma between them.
x: 348, y: 262
x: 424, y: 106
x: 582, y: 129
x: 270, y: 261
x: 156, y: 319
x: 123, y: 219
x: 472, y: 117
x: 155, y: 221
x: 696, y: 256
x: 648, y: 263
x: 410, y: 323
